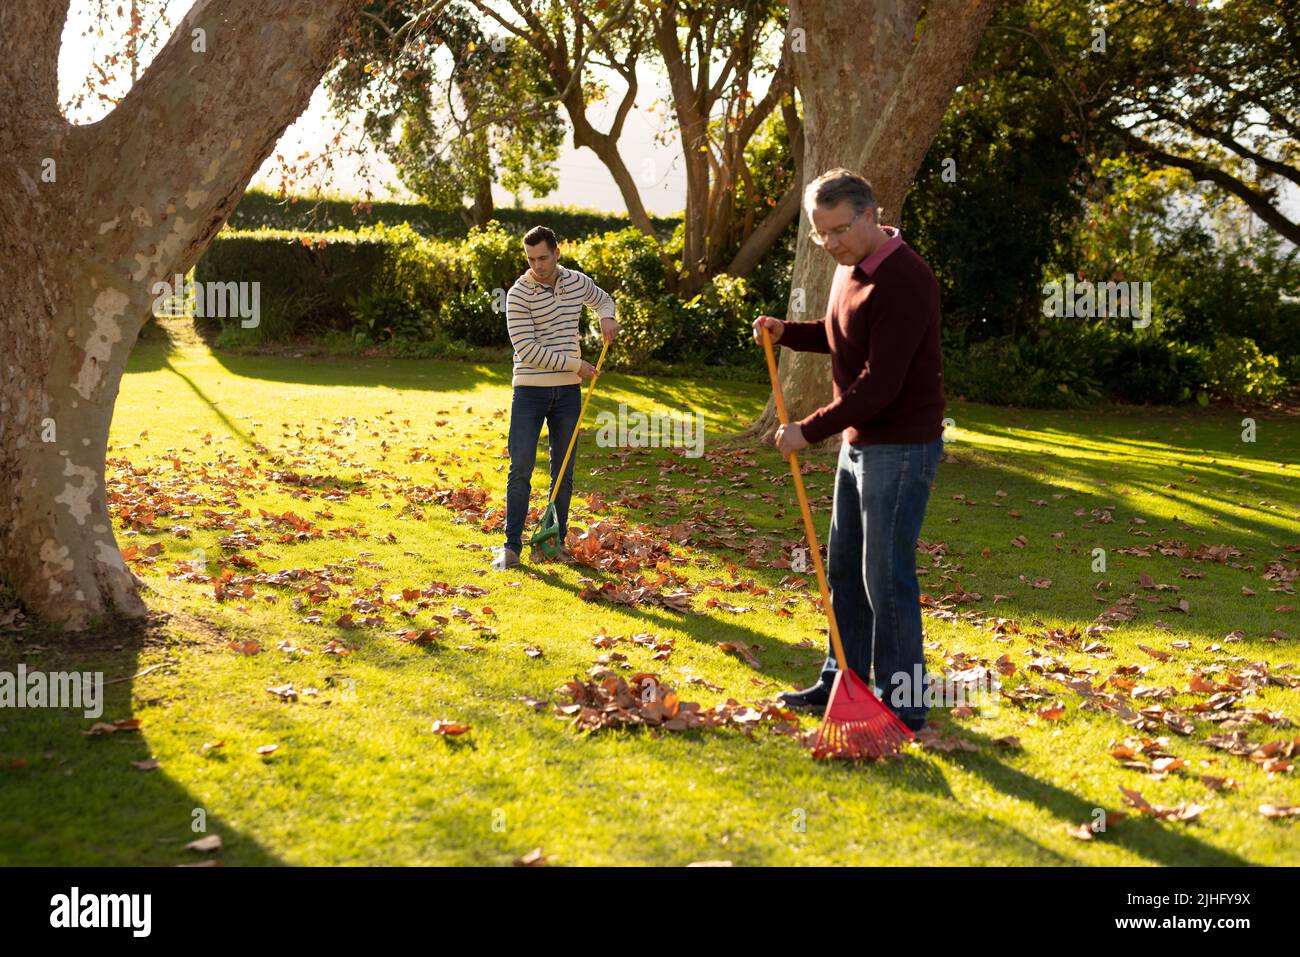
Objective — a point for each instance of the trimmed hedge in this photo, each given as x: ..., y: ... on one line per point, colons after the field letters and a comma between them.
x: 258, y: 210
x: 423, y: 296
x: 315, y: 282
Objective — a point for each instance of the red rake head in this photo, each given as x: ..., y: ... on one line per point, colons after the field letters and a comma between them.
x: 857, y: 724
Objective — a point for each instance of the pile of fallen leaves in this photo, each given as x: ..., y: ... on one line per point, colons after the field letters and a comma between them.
x: 637, y: 589
x: 611, y: 544
x: 611, y: 702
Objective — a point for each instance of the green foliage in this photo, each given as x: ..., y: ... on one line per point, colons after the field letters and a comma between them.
x: 716, y: 326
x: 472, y: 109
x: 626, y: 265
x: 495, y: 256
x: 316, y: 282
x: 305, y: 279
x: 627, y: 260
x: 382, y: 317
x: 1152, y: 369
x: 644, y: 325
x: 1038, y: 194
x: 1055, y: 369
x: 258, y: 209
x: 423, y: 272
x: 1137, y: 226
x: 997, y: 187
x: 476, y: 318
x: 1240, y: 373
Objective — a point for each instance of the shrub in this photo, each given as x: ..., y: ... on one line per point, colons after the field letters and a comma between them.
x: 1239, y: 372
x: 715, y: 326
x: 1153, y: 369
x: 643, y: 328
x: 473, y: 318
x: 382, y: 316
x: 1053, y: 371
x: 258, y: 209
x: 422, y: 271
x: 312, y: 283
x: 305, y: 280
x: 627, y: 260
x: 495, y: 257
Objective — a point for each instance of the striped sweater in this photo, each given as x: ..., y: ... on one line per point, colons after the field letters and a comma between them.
x: 543, y: 325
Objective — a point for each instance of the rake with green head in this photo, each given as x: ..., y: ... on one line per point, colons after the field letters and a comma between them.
x: 547, y: 537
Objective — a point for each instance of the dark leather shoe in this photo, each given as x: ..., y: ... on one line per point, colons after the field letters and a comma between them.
x: 812, y: 699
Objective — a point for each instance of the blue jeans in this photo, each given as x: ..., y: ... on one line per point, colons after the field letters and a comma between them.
x: 880, y: 496
x: 531, y: 405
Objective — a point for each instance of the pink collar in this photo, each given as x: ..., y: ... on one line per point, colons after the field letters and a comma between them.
x: 871, y: 263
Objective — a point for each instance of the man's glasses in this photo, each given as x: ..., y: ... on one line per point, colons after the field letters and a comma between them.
x: 839, y: 232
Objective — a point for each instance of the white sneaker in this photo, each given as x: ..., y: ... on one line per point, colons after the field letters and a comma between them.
x: 506, y: 558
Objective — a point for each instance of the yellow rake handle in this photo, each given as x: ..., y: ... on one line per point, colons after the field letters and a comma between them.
x: 559, y: 476
x: 803, y: 506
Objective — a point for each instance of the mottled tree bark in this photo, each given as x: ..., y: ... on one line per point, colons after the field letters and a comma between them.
x: 874, y: 85
x: 91, y: 218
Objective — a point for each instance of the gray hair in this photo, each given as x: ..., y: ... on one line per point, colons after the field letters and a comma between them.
x: 840, y: 185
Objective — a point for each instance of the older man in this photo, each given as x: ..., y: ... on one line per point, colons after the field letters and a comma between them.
x: 542, y: 312
x: 882, y: 332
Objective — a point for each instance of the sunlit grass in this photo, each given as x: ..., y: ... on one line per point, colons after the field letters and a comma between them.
x: 359, y: 778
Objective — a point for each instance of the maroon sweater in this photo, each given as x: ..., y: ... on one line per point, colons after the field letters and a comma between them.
x: 882, y: 333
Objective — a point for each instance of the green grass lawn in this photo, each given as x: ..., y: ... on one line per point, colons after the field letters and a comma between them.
x: 202, y: 444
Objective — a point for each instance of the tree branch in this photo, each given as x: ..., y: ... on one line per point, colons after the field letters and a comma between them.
x: 198, y: 124
x: 1204, y: 172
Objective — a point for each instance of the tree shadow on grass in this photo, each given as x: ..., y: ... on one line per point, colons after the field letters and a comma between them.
x: 716, y: 400
x: 70, y: 799
x: 780, y: 662
x: 225, y: 419
x: 1168, y: 844
x: 1140, y: 461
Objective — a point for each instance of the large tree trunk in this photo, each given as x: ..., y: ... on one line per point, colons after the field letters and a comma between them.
x: 873, y: 97
x: 91, y: 218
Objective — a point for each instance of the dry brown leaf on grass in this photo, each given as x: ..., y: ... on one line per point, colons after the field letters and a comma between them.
x: 1053, y: 712
x: 1179, y: 812
x: 105, y: 727
x: 933, y: 740
x: 740, y: 650
x: 638, y: 590
x: 423, y: 636
x: 534, y: 858
x: 449, y: 728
